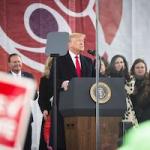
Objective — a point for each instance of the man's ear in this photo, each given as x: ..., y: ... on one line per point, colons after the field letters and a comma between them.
x: 70, y: 47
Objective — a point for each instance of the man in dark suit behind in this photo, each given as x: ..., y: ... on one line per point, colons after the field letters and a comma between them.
x: 67, y: 64
x: 15, y: 65
x: 73, y: 64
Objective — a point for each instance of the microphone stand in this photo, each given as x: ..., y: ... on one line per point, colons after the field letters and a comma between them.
x: 54, y: 50
x: 97, y: 80
x: 54, y: 115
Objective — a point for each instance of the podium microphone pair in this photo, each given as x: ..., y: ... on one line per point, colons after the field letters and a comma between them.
x: 92, y: 52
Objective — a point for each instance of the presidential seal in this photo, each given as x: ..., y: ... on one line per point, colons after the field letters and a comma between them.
x: 104, y: 92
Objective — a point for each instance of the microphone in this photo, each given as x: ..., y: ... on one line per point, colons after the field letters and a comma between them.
x: 92, y: 52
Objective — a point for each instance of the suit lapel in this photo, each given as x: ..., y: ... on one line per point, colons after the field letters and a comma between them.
x: 83, y: 66
x: 70, y: 65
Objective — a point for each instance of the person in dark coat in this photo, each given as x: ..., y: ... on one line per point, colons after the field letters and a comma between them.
x: 45, y: 93
x: 140, y: 97
x: 15, y: 65
x: 71, y: 65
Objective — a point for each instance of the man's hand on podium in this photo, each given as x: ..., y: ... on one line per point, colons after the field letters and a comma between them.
x: 65, y: 85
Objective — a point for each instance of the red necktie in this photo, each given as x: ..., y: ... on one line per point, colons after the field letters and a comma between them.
x: 78, y: 68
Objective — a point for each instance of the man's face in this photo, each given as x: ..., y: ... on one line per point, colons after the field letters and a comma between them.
x: 15, y: 64
x: 77, y: 44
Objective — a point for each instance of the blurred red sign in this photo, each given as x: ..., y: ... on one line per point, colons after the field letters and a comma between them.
x: 15, y: 96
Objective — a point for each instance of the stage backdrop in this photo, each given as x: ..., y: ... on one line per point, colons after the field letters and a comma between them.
x: 124, y: 28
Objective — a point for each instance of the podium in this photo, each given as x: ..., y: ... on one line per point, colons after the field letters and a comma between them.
x: 78, y: 109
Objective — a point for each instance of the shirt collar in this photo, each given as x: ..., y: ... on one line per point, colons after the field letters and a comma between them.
x: 73, y: 55
x: 16, y: 74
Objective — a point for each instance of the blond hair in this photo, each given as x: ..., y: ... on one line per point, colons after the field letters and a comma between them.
x: 48, y: 65
x: 76, y: 35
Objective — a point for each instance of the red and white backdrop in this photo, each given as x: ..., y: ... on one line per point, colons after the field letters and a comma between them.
x: 124, y: 28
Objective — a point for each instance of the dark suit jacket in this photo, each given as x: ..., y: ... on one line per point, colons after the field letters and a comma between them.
x: 27, y: 75
x: 45, y: 93
x: 66, y: 69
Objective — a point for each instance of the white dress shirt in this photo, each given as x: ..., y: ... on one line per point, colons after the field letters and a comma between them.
x: 74, y: 59
x: 16, y: 75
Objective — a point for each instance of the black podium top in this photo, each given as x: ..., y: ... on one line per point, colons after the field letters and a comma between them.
x: 78, y: 102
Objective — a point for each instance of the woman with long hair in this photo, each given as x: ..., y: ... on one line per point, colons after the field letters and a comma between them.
x: 118, y: 67
x: 141, y: 96
x: 45, y: 93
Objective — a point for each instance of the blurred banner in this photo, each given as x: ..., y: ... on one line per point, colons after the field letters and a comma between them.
x: 15, y: 96
x: 24, y: 25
